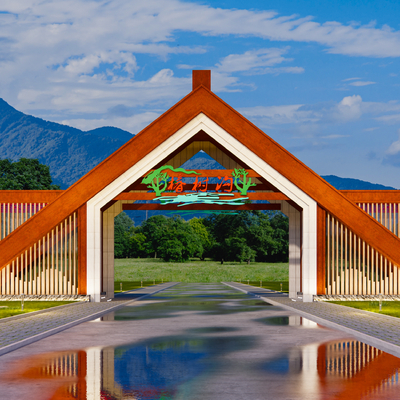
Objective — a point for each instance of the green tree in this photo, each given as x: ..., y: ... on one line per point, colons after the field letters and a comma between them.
x: 172, y: 239
x: 25, y: 174
x: 249, y: 235
x: 204, y: 235
x: 136, y: 245
x: 153, y: 231
x: 123, y: 226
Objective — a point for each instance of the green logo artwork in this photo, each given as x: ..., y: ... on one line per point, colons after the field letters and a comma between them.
x: 160, y: 181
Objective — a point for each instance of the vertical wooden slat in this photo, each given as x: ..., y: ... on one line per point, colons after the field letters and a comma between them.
x: 347, y: 284
x: 342, y: 290
x: 12, y: 278
x: 60, y: 274
x: 337, y: 286
x: 70, y: 257
x: 12, y: 217
x: 56, y: 272
x: 52, y: 263
x: 30, y: 290
x: 17, y: 280
x: 364, y: 270
x: 333, y: 278
x: 65, y: 248
x: 39, y: 275
x: 47, y: 264
x: 355, y: 269
x: 75, y: 291
x: 26, y: 281
x: 359, y: 269
x: 82, y: 252
x: 351, y: 267
x: 328, y: 258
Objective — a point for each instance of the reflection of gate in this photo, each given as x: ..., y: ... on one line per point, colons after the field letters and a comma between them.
x: 65, y: 373
x: 356, y: 369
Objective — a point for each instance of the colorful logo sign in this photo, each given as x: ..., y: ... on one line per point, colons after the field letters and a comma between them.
x: 161, y: 181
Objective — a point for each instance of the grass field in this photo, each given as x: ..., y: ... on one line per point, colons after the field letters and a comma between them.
x: 388, y: 307
x: 10, y: 308
x: 148, y: 269
x: 130, y: 285
x: 270, y: 285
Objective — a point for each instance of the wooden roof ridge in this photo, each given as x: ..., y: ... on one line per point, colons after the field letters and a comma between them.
x: 201, y: 100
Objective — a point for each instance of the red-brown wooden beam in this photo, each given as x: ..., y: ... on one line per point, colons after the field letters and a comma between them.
x: 201, y: 78
x: 212, y: 207
x: 212, y: 173
x: 372, y: 196
x: 29, y: 196
x: 252, y: 196
x: 210, y: 187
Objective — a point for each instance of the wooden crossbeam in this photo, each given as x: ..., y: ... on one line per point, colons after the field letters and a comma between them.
x: 252, y: 196
x: 210, y: 186
x: 211, y: 207
x: 212, y: 173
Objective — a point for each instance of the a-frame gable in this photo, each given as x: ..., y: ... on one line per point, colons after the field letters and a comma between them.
x: 201, y: 100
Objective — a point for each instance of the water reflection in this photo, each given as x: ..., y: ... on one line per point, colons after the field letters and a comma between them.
x: 227, y: 348
x: 157, y: 369
x: 290, y: 320
x: 211, y: 305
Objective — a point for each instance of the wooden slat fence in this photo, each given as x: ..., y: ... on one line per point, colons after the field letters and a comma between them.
x: 50, y: 266
x: 353, y: 267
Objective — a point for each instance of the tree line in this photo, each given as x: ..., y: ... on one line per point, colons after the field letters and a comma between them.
x: 246, y: 235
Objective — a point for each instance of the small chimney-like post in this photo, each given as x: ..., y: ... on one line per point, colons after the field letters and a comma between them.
x: 201, y: 77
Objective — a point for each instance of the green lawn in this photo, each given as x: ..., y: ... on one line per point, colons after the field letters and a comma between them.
x: 130, y: 285
x: 148, y: 269
x: 270, y: 285
x: 388, y: 307
x: 13, y: 307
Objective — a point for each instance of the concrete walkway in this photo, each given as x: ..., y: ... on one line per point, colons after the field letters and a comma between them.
x: 381, y: 331
x: 18, y: 331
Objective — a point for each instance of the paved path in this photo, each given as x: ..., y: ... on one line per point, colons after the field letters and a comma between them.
x: 381, y: 331
x: 21, y: 330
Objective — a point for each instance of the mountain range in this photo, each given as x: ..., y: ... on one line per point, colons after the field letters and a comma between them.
x: 71, y: 153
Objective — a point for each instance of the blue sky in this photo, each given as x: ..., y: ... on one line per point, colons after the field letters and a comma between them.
x: 322, y: 78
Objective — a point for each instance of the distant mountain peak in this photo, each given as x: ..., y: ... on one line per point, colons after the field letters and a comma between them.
x: 354, y: 184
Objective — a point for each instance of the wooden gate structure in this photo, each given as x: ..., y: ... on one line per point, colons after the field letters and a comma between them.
x: 62, y: 242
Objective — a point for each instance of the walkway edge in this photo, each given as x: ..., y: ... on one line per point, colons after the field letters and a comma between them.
x: 371, y: 340
x: 29, y: 314
x: 35, y: 338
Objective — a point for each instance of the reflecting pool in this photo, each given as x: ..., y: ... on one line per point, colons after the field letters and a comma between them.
x: 200, y: 342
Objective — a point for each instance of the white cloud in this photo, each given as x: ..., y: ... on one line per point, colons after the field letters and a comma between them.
x: 334, y: 136
x: 349, y: 109
x: 252, y: 60
x: 362, y: 83
x: 394, y: 148
x: 86, y: 64
x: 81, y: 56
x: 276, y: 115
x: 350, y: 79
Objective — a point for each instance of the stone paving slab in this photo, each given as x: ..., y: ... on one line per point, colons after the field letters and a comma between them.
x: 381, y: 331
x: 26, y: 329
